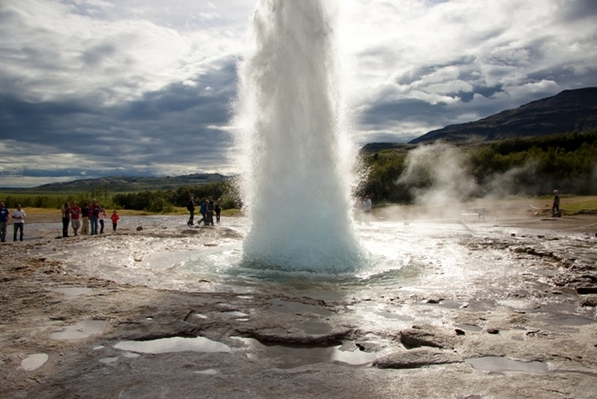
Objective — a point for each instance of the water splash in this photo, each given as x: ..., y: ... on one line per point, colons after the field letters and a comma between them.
x: 296, y: 159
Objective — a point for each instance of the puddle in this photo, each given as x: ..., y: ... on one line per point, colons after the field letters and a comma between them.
x: 33, y: 362
x: 499, y: 364
x: 448, y: 304
x: 73, y: 291
x: 130, y: 355
x: 82, y: 329
x: 207, y: 372
x: 286, y: 357
x: 567, y: 320
x: 297, y: 307
x: 389, y: 315
x: 235, y: 313
x: 175, y: 344
x: 109, y: 360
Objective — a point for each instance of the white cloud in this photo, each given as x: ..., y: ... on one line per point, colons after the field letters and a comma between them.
x: 51, y: 52
x: 156, y: 68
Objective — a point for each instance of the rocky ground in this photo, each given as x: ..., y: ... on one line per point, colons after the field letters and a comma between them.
x: 65, y: 334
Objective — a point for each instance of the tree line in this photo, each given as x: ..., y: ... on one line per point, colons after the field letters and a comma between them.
x: 523, y: 166
x: 166, y: 200
x: 57, y: 200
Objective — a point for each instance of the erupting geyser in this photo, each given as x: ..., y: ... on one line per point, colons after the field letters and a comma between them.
x: 297, y: 163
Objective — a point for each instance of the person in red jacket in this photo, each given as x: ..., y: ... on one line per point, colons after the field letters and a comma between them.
x: 114, y: 218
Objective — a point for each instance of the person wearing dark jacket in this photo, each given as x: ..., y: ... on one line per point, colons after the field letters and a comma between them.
x: 191, y: 209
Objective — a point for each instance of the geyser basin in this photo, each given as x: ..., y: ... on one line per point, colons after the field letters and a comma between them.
x: 297, y: 162
x: 422, y: 258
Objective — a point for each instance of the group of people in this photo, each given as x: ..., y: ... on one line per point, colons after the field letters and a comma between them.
x: 363, y: 204
x: 18, y: 221
x: 207, y: 209
x: 91, y: 215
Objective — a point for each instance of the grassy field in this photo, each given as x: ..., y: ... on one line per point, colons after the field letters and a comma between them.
x: 579, y: 206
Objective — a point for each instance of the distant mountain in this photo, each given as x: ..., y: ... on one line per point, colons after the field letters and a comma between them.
x: 375, y: 147
x: 123, y: 184
x: 568, y: 111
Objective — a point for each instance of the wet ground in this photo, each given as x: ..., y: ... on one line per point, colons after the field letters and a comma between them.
x: 443, y: 307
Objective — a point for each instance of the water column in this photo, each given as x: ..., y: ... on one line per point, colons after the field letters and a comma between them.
x: 297, y: 163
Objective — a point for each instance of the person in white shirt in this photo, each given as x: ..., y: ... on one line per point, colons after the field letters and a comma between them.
x: 18, y: 221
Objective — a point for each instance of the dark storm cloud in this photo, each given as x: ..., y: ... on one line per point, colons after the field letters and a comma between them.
x: 485, y: 91
x: 169, y: 126
x: 566, y: 76
x: 416, y: 74
x: 579, y: 9
x: 408, y: 110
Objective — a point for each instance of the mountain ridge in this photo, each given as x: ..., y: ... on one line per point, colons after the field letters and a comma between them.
x: 567, y: 111
x: 121, y: 184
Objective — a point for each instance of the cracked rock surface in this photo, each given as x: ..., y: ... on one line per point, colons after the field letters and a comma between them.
x: 532, y: 334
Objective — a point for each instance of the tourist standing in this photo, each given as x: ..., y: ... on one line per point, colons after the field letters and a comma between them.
x: 367, y: 204
x: 203, y: 211
x: 218, y: 209
x: 85, y: 218
x: 555, y: 208
x: 191, y: 209
x: 94, y: 211
x: 114, y: 218
x: 4, y: 221
x: 102, y: 216
x: 75, y: 216
x: 210, y: 212
x: 65, y: 219
x: 18, y: 220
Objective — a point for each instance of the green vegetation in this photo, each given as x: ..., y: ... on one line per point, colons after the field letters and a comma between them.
x: 524, y: 166
x: 56, y: 200
x: 588, y: 207
x: 165, y: 201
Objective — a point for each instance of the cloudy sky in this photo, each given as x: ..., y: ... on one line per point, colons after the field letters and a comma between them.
x: 92, y: 88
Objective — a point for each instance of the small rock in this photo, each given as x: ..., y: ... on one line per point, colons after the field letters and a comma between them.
x: 589, y: 301
x: 415, y: 359
x: 139, y: 228
x: 428, y: 336
x: 459, y: 331
x: 493, y: 331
